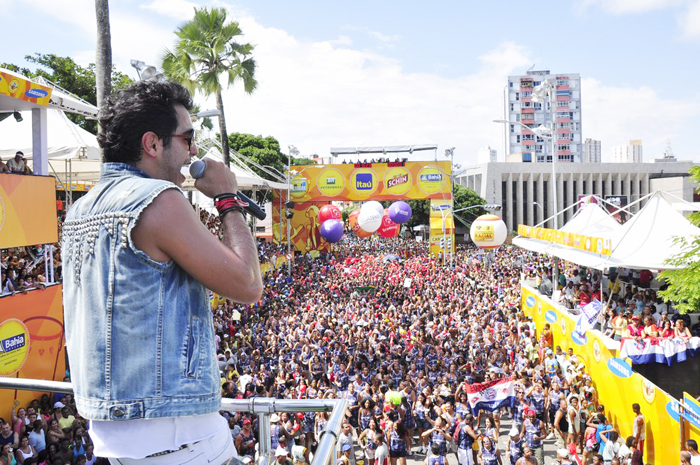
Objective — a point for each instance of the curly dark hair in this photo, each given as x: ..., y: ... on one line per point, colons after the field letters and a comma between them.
x: 127, y: 115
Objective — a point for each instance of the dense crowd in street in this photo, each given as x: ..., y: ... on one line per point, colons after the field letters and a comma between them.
x: 401, y: 336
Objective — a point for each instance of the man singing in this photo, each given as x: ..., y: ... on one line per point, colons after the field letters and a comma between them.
x: 137, y: 263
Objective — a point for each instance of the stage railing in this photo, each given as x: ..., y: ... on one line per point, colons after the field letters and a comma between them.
x: 263, y: 407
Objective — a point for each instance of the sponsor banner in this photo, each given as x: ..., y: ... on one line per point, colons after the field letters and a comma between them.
x: 620, y: 390
x: 22, y: 89
x: 441, y: 237
x: 619, y: 367
x: 31, y: 341
x: 75, y: 187
x: 667, y: 350
x: 614, y: 204
x: 592, y: 244
x: 304, y: 226
x: 27, y: 210
x: 416, y: 180
x: 692, y: 409
x: 492, y: 395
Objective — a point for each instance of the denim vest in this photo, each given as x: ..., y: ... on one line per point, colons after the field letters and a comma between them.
x: 139, y: 333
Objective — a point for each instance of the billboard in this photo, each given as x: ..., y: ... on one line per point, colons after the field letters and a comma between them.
x: 614, y: 203
x: 27, y: 210
x: 313, y: 186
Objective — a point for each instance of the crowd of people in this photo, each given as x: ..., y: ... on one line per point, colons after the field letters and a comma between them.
x: 401, y: 340
x: 16, y: 165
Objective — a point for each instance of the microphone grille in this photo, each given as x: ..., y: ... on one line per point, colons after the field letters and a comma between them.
x: 197, y: 169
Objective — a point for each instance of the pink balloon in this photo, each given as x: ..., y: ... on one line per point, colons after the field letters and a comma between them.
x: 388, y: 228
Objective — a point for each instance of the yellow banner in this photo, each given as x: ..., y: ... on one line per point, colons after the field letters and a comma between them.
x: 27, y: 210
x: 617, y: 385
x: 75, y: 187
x: 372, y: 181
x: 593, y: 244
x: 22, y: 89
x: 441, y: 227
x: 33, y: 346
x: 304, y: 226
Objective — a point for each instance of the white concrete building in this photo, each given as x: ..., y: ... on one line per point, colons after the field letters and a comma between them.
x: 591, y: 151
x: 524, y: 190
x: 567, y: 115
x: 631, y: 153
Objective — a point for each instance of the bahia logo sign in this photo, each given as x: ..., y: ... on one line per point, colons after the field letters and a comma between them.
x: 530, y: 301
x: 619, y: 367
x: 550, y: 316
x: 431, y: 177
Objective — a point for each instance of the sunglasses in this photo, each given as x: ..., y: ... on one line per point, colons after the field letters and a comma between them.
x: 189, y: 137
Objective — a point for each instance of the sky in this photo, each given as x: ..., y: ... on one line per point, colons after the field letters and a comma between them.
x: 381, y: 73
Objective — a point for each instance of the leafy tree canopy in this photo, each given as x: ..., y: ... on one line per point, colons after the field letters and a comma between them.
x: 265, y: 151
x: 684, y: 283
x: 74, y: 78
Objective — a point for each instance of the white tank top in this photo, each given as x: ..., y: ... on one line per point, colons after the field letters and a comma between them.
x: 635, y: 428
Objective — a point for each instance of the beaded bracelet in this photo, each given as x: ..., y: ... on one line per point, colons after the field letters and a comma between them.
x: 225, y: 203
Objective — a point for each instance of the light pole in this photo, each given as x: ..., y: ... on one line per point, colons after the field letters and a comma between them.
x: 540, y: 132
x: 450, y: 153
x: 539, y: 94
x: 541, y: 208
x: 292, y: 151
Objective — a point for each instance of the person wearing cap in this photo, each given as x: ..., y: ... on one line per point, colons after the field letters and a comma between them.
x: 282, y: 457
x: 563, y: 457
x: 245, y: 441
x: 515, y: 445
x: 634, y: 329
x: 533, y: 430
x: 18, y: 164
x: 344, y: 455
x: 276, y: 429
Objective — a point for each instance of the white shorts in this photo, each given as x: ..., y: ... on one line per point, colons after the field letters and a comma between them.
x: 216, y: 450
x: 465, y: 457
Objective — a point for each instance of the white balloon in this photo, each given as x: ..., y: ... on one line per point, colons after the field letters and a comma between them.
x: 369, y: 220
x: 374, y: 206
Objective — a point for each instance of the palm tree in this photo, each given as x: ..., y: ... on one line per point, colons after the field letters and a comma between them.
x: 205, y: 50
x: 103, y: 52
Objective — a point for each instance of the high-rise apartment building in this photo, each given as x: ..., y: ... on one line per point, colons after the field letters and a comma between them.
x: 486, y: 155
x: 591, y: 151
x: 631, y: 153
x: 567, y: 117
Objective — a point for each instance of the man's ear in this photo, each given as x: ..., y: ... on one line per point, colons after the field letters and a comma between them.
x: 149, y: 143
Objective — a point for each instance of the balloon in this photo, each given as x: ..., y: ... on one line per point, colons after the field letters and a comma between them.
x: 388, y: 228
x: 488, y: 231
x: 332, y: 230
x: 329, y: 212
x: 373, y: 205
x: 369, y: 220
x: 400, y: 212
x: 354, y: 227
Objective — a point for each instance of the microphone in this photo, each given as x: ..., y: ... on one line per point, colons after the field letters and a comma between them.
x: 197, y: 169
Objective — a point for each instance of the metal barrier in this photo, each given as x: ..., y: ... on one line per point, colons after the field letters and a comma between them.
x: 263, y: 407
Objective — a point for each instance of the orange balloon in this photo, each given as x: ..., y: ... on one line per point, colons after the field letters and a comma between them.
x: 359, y: 232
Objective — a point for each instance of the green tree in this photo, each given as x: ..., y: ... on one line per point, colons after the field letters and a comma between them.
x: 207, y: 49
x: 264, y: 151
x: 72, y: 77
x: 463, y: 198
x: 684, y: 283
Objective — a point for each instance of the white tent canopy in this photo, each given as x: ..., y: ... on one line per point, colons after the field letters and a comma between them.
x: 65, y: 139
x: 591, y: 220
x: 645, y: 241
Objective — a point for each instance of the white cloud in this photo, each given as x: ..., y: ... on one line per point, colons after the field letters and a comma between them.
x: 615, y: 115
x: 318, y: 95
x: 374, y: 34
x: 178, y: 9
x: 619, y: 7
x: 689, y: 21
